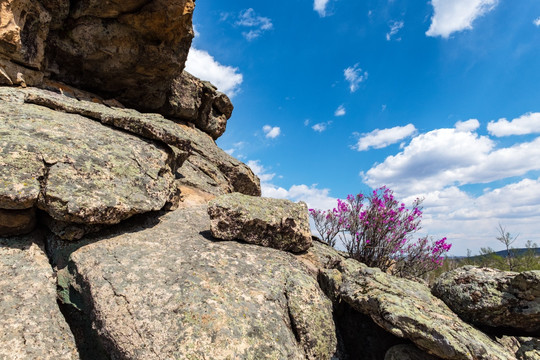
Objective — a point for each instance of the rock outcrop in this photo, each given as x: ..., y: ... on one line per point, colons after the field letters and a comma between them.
x: 126, y: 167
x: 493, y: 298
x: 276, y: 223
x: 404, y: 308
x: 215, y: 300
x: 31, y: 324
x: 407, y: 352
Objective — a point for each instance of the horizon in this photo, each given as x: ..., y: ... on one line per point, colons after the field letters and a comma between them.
x: 438, y: 100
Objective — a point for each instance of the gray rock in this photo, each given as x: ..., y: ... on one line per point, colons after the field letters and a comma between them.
x: 163, y: 289
x: 493, y: 298
x: 276, y: 223
x: 407, y: 352
x: 525, y: 348
x: 200, y: 103
x: 403, y: 307
x: 76, y: 169
x: 31, y: 324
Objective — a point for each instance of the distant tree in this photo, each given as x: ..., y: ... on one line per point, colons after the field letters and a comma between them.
x: 507, y: 240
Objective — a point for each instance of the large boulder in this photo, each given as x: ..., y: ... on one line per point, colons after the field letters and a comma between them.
x: 31, y: 324
x: 403, y: 307
x: 276, y: 223
x: 493, y: 298
x: 49, y: 161
x: 126, y: 167
x: 162, y: 288
x: 407, y: 352
x: 200, y: 103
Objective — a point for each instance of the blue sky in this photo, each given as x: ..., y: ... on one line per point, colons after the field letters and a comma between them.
x: 436, y: 99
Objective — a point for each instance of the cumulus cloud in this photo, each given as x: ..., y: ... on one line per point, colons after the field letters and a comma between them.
x: 320, y: 7
x: 456, y: 15
x: 379, y: 139
x: 340, y: 111
x: 271, y: 132
x: 320, y: 127
x: 395, y: 26
x: 354, y: 75
x: 203, y: 65
x: 448, y: 157
x: 310, y: 194
x: 537, y: 21
x: 257, y: 24
x: 525, y: 124
x: 469, y: 125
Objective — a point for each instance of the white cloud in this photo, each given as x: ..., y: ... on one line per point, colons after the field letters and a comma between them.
x: 537, y: 21
x: 379, y: 139
x: 230, y: 151
x: 470, y: 222
x: 353, y: 74
x: 306, y: 122
x: 258, y: 24
x: 320, y: 7
x: 320, y: 127
x: 226, y: 78
x: 469, y: 125
x: 260, y: 171
x: 271, y: 132
x: 395, y: 26
x: 340, y: 111
x: 457, y: 15
x: 447, y: 157
x: 525, y: 124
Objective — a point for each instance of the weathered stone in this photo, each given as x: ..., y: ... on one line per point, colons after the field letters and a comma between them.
x: 405, y: 308
x: 198, y: 102
x: 31, y: 324
x: 276, y: 223
x: 209, y: 168
x: 24, y: 26
x: 162, y: 289
x: 143, y: 43
x: 525, y: 348
x: 493, y: 298
x: 17, y: 222
x: 407, y: 352
x: 48, y: 160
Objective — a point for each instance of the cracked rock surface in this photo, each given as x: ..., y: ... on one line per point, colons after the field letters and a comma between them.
x: 276, y: 223
x: 31, y: 324
x: 202, y: 299
x: 403, y: 307
x: 494, y: 298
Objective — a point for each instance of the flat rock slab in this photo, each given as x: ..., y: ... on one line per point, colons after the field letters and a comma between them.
x: 404, y: 308
x: 493, y: 298
x: 275, y: 223
x: 31, y: 324
x: 170, y: 291
x: 76, y: 169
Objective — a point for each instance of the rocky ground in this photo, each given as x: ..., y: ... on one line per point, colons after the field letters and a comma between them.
x: 127, y: 233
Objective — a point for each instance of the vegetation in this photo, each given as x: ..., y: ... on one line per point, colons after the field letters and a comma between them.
x: 377, y: 231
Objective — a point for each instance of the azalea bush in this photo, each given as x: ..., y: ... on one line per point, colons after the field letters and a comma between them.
x: 377, y: 231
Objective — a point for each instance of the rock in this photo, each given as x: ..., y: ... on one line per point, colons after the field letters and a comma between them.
x: 17, y: 222
x: 407, y: 352
x: 198, y: 102
x: 143, y: 43
x: 161, y: 288
x: 31, y: 324
x: 493, y: 298
x: 405, y: 308
x: 525, y: 348
x: 49, y: 161
x: 276, y: 223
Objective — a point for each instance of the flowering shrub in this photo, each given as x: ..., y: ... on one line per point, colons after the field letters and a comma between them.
x: 377, y: 230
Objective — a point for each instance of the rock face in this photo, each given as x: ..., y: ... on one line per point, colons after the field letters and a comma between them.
x: 216, y: 300
x: 406, y: 309
x: 200, y: 103
x: 493, y: 298
x: 407, y: 352
x: 31, y: 325
x: 48, y: 161
x: 276, y: 223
